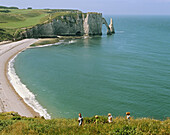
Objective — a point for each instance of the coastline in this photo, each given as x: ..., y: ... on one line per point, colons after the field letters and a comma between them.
x: 10, y: 100
x: 16, y: 101
x: 7, y: 78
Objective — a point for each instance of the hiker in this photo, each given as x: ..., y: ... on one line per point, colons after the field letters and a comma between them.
x: 80, y: 119
x: 96, y: 121
x: 128, y: 115
x: 109, y: 117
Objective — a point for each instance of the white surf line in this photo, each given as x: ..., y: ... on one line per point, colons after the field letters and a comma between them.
x: 23, y: 91
x: 10, y: 100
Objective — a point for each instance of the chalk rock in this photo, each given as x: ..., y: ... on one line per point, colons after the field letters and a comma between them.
x: 78, y: 24
x: 111, y: 26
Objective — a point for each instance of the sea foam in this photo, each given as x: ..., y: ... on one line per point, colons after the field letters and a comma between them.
x: 28, y: 97
x: 120, y: 32
x: 72, y: 41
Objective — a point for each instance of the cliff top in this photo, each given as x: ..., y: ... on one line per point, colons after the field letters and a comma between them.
x: 13, y: 20
x: 12, y: 123
x: 94, y: 13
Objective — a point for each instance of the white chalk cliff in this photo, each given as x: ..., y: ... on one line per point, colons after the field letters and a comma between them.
x: 78, y: 24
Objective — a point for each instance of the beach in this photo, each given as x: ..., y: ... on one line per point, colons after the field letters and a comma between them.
x: 9, y: 99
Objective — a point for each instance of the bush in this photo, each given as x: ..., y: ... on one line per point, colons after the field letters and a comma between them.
x: 5, y: 11
x: 125, y: 130
x: 4, y: 123
x: 13, y: 8
x: 29, y: 8
x: 4, y: 7
x: 16, y: 118
x: 4, y: 36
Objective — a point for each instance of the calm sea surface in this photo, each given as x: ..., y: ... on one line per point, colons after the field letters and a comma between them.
x: 128, y: 71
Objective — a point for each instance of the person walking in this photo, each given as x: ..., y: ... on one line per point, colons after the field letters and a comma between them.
x: 128, y: 115
x: 110, y: 117
x: 97, y: 119
x: 80, y: 119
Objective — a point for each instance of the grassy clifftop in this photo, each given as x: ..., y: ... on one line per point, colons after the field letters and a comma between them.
x: 13, y: 21
x: 12, y: 123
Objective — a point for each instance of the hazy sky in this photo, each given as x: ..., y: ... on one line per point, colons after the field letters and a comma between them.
x: 104, y: 6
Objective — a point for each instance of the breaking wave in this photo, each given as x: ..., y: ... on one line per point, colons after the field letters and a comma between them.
x: 28, y: 97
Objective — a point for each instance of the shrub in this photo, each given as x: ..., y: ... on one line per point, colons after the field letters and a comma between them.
x: 125, y: 130
x: 16, y: 118
x: 5, y: 11
x: 4, y: 7
x: 4, y: 123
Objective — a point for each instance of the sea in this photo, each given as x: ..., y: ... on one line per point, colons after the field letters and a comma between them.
x: 125, y: 72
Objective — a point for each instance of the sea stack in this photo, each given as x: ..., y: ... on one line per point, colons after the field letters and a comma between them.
x: 111, y: 26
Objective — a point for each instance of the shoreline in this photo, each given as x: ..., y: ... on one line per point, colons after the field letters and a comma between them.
x: 30, y: 109
x: 7, y: 78
x: 22, y: 91
x: 9, y: 98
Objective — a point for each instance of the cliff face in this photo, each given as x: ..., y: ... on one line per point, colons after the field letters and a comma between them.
x: 93, y: 24
x: 75, y: 25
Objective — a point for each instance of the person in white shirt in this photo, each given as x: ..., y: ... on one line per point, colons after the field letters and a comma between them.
x: 80, y: 119
x: 109, y: 117
x: 128, y: 115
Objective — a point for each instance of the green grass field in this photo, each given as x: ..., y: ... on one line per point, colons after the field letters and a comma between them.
x: 13, y: 21
x: 13, y: 124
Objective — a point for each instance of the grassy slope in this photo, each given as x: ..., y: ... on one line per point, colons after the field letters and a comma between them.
x: 16, y: 20
x: 11, y: 123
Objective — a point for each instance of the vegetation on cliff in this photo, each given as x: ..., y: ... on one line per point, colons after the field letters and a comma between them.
x: 4, y: 7
x: 13, y: 20
x: 12, y: 123
x: 45, y: 41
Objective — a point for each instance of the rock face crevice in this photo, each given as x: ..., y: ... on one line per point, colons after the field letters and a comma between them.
x: 77, y: 25
x: 93, y: 24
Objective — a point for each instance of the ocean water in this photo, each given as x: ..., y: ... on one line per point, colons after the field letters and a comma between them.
x: 128, y: 71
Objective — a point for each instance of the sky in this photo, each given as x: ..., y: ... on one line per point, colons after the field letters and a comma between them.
x: 125, y: 7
